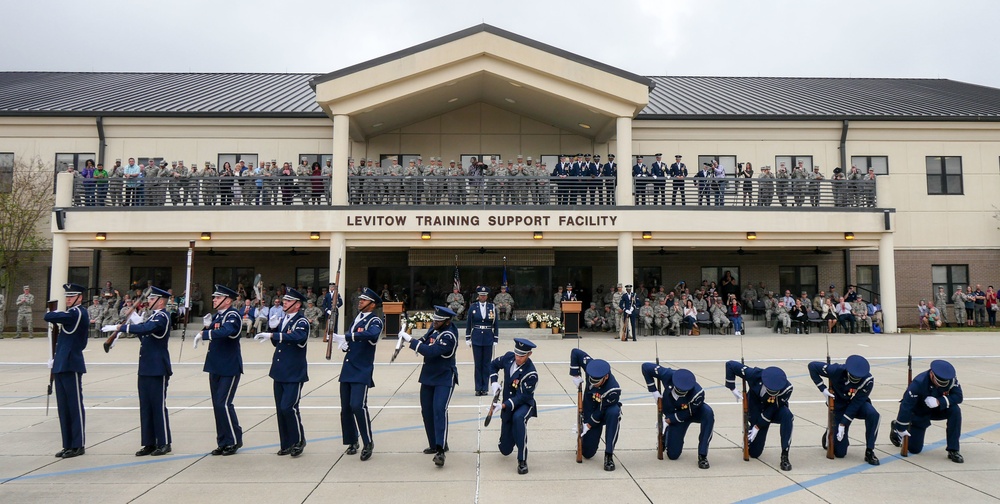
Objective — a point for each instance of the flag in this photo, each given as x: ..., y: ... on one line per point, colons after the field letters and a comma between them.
x: 504, y: 281
x: 458, y: 280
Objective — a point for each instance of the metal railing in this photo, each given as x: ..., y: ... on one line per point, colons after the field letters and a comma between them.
x: 481, y: 191
x: 755, y: 192
x: 198, y: 191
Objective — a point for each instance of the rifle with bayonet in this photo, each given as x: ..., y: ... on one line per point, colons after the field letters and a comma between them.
x: 53, y: 338
x: 746, y: 409
x: 904, y: 448
x: 659, y: 408
x: 331, y: 322
x: 830, y: 415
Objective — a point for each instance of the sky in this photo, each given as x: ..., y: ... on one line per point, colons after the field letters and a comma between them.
x: 955, y: 39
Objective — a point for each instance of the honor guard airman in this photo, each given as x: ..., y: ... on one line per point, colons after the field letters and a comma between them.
x: 481, y: 334
x: 630, y: 310
x: 769, y: 392
x: 851, y: 384
x: 68, y: 367
x: 154, y: 374
x: 517, y: 404
x: 356, y: 375
x: 602, y: 408
x: 224, y: 365
x: 683, y: 403
x: 289, y: 370
x: 934, y: 394
x: 438, y: 377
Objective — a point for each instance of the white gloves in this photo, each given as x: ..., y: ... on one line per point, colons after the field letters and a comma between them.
x: 827, y: 393
x: 207, y: 319
x: 840, y: 432
x: 197, y: 338
x: 657, y: 395
x: 497, y: 406
x: 495, y: 387
x: 737, y: 394
x: 262, y: 336
x: 468, y: 343
x: 586, y: 429
x: 51, y: 363
x: 134, y: 318
x: 932, y: 402
x: 338, y: 338
x: 577, y: 380
x: 405, y: 336
x: 342, y: 346
x: 753, y: 433
x: 109, y: 328
x: 902, y: 433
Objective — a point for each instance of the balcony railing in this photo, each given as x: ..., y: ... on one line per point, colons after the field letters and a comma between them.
x: 471, y: 192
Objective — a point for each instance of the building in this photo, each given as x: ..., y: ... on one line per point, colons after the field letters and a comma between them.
x: 925, y: 221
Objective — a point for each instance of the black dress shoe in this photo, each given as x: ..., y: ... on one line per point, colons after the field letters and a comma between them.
x: 146, y: 450
x: 824, y: 441
x: 296, y: 449
x: 161, y: 450
x: 785, y: 464
x: 609, y: 462
x: 218, y: 451
x: 283, y: 451
x: 893, y: 437
x: 439, y: 458
x: 366, y: 452
x: 230, y: 450
x: 956, y: 457
x: 61, y: 453
x: 522, y: 467
x: 703, y: 462
x: 74, y: 452
x: 427, y: 451
x: 352, y: 449
x: 871, y: 458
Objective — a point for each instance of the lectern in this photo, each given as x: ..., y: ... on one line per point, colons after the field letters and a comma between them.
x: 571, y: 318
x: 392, y: 311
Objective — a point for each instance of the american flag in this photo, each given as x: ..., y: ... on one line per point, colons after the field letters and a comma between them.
x: 458, y: 280
x: 504, y: 281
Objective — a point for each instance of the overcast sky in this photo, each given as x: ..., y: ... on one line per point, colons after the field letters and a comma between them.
x: 955, y: 39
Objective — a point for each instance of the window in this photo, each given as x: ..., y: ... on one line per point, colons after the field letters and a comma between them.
x: 6, y: 171
x: 550, y: 160
x: 317, y: 278
x: 790, y: 163
x: 949, y: 276
x: 232, y: 159
x: 80, y: 275
x: 140, y: 275
x: 78, y: 160
x: 797, y: 279
x: 867, y: 281
x: 727, y: 162
x: 878, y: 163
x: 312, y: 158
x: 404, y: 159
x: 648, y: 277
x: 238, y: 279
x: 715, y: 273
x: 944, y: 175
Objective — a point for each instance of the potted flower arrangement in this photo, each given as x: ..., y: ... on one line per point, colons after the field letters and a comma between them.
x: 545, y: 321
x: 419, y: 320
x: 557, y: 326
x: 532, y: 319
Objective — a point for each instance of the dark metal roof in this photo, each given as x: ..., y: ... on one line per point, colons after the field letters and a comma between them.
x: 820, y: 98
x: 472, y: 31
x: 157, y: 94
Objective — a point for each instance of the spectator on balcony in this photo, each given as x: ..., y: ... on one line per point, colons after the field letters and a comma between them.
x: 456, y: 184
x: 814, y: 186
x: 226, y: 178
x: 354, y: 181
x: 100, y: 185
x: 287, y: 184
x: 590, y: 171
x: 678, y: 173
x: 839, y: 183
x: 719, y: 173
x: 798, y: 184
x: 854, y: 177
x: 132, y: 174
x: 316, y: 186
x: 869, y: 190
x: 783, y: 183
x: 116, y: 183
x: 255, y: 185
x: 746, y: 173
x: 640, y: 175
x: 271, y: 186
x: 210, y: 184
x: 87, y: 179
x: 765, y: 189
x: 658, y: 173
x: 701, y: 183
x: 327, y: 174
x: 410, y: 182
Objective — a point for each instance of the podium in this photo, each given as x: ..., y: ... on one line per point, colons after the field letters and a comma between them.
x: 392, y: 311
x: 571, y: 318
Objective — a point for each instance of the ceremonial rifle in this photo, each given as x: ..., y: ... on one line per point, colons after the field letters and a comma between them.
x: 405, y: 322
x: 659, y: 408
x: 187, y: 299
x: 53, y: 338
x: 904, y: 449
x: 579, y: 414
x: 746, y: 409
x: 110, y: 342
x: 830, y: 416
x: 334, y: 312
x: 496, y: 398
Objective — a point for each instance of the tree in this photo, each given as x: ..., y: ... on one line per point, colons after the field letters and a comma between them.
x: 25, y: 199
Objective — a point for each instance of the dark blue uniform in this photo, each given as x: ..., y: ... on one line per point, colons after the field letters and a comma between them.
x: 67, y: 370
x: 680, y: 411
x: 601, y: 407
x: 519, y: 403
x: 852, y: 401
x: 224, y: 365
x: 658, y: 171
x: 764, y: 409
x: 639, y: 175
x: 609, y: 171
x: 482, y: 330
x: 677, y: 171
x: 438, y: 378
x: 154, y: 377
x: 356, y: 378
x: 290, y: 370
x: 628, y: 305
x: 915, y: 416
x: 560, y: 172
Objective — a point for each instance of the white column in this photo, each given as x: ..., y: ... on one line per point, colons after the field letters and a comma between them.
x: 338, y: 249
x: 887, y: 281
x: 623, y: 194
x: 625, y: 261
x: 60, y: 244
x: 341, y: 151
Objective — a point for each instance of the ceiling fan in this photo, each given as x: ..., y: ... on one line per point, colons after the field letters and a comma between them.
x: 662, y: 252
x: 742, y: 252
x: 817, y: 251
x: 296, y: 253
x: 482, y: 251
x: 212, y: 253
x: 128, y: 252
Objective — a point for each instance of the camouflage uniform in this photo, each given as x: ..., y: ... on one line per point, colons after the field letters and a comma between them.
x: 860, y: 310
x: 647, y: 318
x: 592, y: 318
x: 765, y: 189
x: 770, y: 308
x: 941, y: 302
x: 116, y: 182
x: 799, y: 185
x: 456, y: 303
x: 395, y: 185
x: 352, y: 180
x: 676, y: 317
x: 616, y: 298
x: 24, y: 304
x: 958, y: 300
x: 209, y: 184
x: 410, y: 183
x: 541, y: 184
x: 662, y: 316
x: 96, y: 313
x: 520, y: 173
x: 505, y: 304
x: 784, y: 319
x: 719, y: 318
x: 783, y: 183
x: 312, y: 314
x: 609, y: 319
x: 814, y: 186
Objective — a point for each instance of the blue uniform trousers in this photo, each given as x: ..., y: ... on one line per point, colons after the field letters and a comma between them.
x: 674, y: 440
x: 783, y: 417
x: 482, y: 356
x: 69, y: 401
x: 154, y: 425
x: 355, y: 421
x: 286, y: 402
x: 434, y: 402
x: 871, y: 418
x: 953, y: 428
x: 227, y: 427
x: 514, y: 431
x: 612, y: 420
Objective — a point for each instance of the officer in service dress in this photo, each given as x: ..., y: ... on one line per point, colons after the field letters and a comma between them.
x: 68, y: 367
x: 850, y: 388
x: 932, y: 395
x: 682, y: 403
x: 438, y: 377
x: 767, y: 398
x: 154, y: 374
x: 602, y: 408
x: 224, y: 365
x: 517, y: 404
x: 481, y: 334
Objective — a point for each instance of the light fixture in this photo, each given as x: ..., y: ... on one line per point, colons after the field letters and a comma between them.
x: 509, y: 100
x: 537, y: 235
x: 751, y: 235
x: 101, y: 236
x: 453, y: 100
x: 848, y: 235
x: 426, y: 235
x: 583, y: 125
x: 376, y: 125
x: 206, y: 236
x: 314, y: 235
x: 647, y: 235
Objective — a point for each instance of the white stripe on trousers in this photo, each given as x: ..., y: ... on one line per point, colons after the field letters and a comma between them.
x: 79, y: 404
x: 166, y: 429
x: 229, y: 419
x: 298, y: 415
x: 446, y: 421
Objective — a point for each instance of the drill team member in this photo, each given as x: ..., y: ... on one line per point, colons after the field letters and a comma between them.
x: 356, y: 374
x: 517, y: 404
x: 683, y: 403
x: 769, y: 392
x: 932, y: 395
x: 224, y: 365
x: 68, y: 367
x: 601, y: 404
x: 852, y: 385
x: 482, y: 334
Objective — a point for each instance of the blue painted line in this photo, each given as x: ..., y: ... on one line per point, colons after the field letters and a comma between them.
x: 790, y: 489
